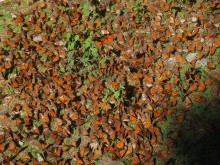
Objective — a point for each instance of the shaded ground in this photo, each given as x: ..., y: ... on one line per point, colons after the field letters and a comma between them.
x: 199, y: 135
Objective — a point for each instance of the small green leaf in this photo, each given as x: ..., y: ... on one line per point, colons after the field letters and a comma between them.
x: 71, y: 62
x: 172, y: 80
x: 86, y: 12
x: 41, y: 68
x: 17, y: 30
x: 71, y: 46
x: 7, y: 48
x: 62, y: 69
x: 179, y: 100
x: 86, y: 54
x: 76, y: 38
x: 95, y: 52
x: 43, y: 58
x: 105, y: 98
x: 147, y: 34
x: 68, y: 36
x: 117, y: 94
x: 86, y: 6
x: 90, y: 67
x: 84, y: 60
x: 103, y: 60
x: 85, y: 9
x: 86, y: 81
x: 87, y: 43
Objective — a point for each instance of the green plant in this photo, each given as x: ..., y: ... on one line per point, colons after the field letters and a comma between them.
x: 85, y: 9
x: 117, y: 93
x: 71, y: 41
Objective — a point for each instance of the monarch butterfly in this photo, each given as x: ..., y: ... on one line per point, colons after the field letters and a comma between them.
x: 53, y: 35
x: 98, y: 154
x: 42, y: 50
x: 27, y: 46
x: 57, y: 152
x: 43, y: 5
x: 2, y: 139
x: 17, y: 107
x: 90, y: 26
x: 99, y: 44
x: 136, y: 160
x: 10, y: 33
x: 38, y: 29
x: 107, y: 39
x: 58, y: 80
x: 208, y: 82
x: 175, y: 93
x: 42, y: 15
x: 120, y: 144
x: 193, y: 62
x: 79, y: 122
x: 191, y: 47
x: 199, y: 46
x: 197, y: 78
x: 193, y: 87
x: 216, y: 42
x: 138, y: 129
x: 56, y: 58
x: 19, y: 17
x: 15, y: 54
x: 5, y: 43
x: 105, y: 106
x: 18, y: 121
x: 153, y: 90
x: 8, y: 65
x: 37, y: 14
x: 36, y: 131
x: 157, y: 113
x: 79, y: 162
x: 22, y: 96
x: 45, y: 163
x: 98, y: 24
x: 199, y: 99
x: 63, y: 98
x: 27, y: 157
x: 45, y: 118
x: 211, y: 65
x: 34, y: 7
x: 200, y: 55
x: 121, y: 153
x: 2, y: 147
x: 12, y: 44
x: 201, y: 87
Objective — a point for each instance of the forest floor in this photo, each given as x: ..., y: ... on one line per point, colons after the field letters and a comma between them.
x: 109, y: 82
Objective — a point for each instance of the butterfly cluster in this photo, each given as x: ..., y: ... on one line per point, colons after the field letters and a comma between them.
x: 130, y: 70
